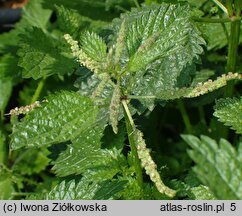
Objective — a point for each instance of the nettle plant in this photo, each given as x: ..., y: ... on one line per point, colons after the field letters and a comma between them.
x: 148, y: 59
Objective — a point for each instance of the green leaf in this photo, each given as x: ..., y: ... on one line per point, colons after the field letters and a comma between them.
x: 32, y: 161
x: 218, y: 166
x: 40, y: 56
x: 202, y: 76
x: 112, y: 140
x: 215, y: 35
x: 109, y: 190
x: 71, y: 22
x: 8, y: 77
x: 132, y: 190
x: 63, y: 117
x: 200, y: 192
x: 149, y: 29
x: 88, y: 84
x: 82, y: 190
x: 3, y: 148
x: 92, y: 53
x: 159, y: 64
x: 6, y: 184
x: 191, y: 188
x: 33, y: 15
x: 94, y: 47
x: 186, y: 191
x: 95, y: 9
x: 229, y: 111
x: 85, y: 155
x: 6, y: 189
x: 6, y: 87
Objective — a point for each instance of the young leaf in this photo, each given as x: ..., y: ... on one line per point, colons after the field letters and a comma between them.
x: 153, y: 63
x: 40, y: 56
x: 94, y: 47
x: 68, y: 20
x: 149, y: 29
x: 92, y: 51
x: 218, y: 166
x: 64, y: 117
x: 229, y: 111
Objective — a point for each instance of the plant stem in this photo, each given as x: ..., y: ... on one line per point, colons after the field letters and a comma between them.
x: 38, y: 90
x: 221, y: 20
x: 233, y: 46
x: 229, y: 6
x: 130, y: 126
x: 232, y: 53
x: 185, y: 116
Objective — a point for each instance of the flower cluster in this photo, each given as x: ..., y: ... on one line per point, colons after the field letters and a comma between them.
x: 114, y: 108
x: 24, y: 109
x: 81, y: 56
x: 209, y: 86
x: 149, y: 165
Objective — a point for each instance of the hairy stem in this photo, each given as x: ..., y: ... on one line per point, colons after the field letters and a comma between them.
x: 38, y: 90
x: 185, y: 116
x: 130, y: 126
x: 233, y: 46
x: 232, y: 53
